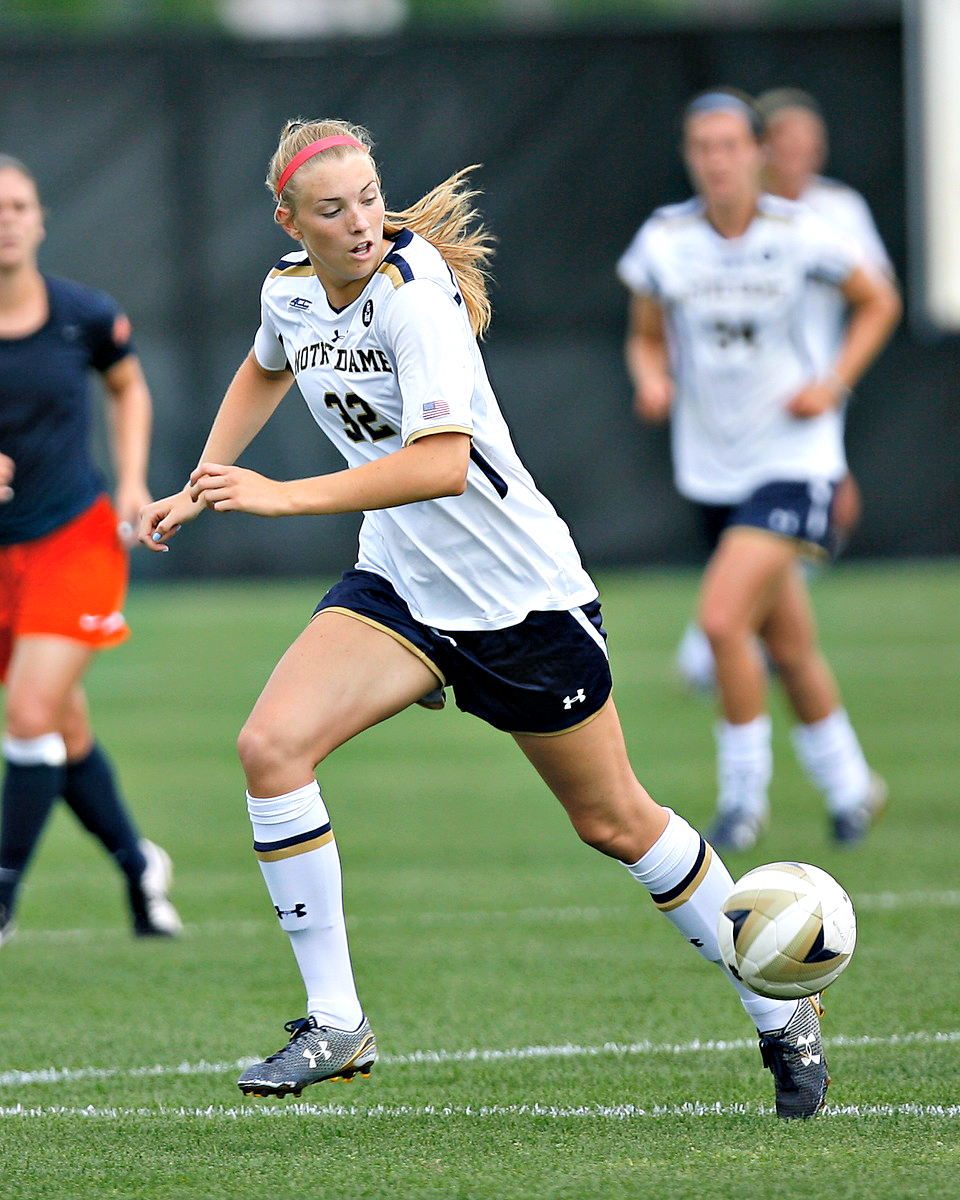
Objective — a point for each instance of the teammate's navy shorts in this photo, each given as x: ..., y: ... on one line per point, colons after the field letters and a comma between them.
x: 800, y: 511
x: 546, y: 675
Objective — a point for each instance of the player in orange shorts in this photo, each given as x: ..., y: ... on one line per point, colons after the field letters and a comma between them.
x: 63, y: 554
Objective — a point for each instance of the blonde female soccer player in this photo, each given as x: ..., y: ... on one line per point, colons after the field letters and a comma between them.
x: 718, y: 341
x: 466, y: 576
x: 63, y: 561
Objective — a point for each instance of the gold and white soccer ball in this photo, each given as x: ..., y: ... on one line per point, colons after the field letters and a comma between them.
x: 786, y: 930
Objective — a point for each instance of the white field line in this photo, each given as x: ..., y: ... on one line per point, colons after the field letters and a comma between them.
x: 616, y: 1112
x: 476, y: 1054
x: 868, y: 902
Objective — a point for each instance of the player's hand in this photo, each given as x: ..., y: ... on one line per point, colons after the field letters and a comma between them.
x: 654, y: 398
x: 6, y: 474
x: 160, y: 520
x: 814, y: 400
x: 130, y: 498
x: 235, y: 489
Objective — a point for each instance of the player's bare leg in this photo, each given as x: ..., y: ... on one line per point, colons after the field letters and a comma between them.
x: 40, y: 679
x: 588, y: 771
x: 740, y: 585
x: 846, y: 510
x: 790, y: 635
x: 338, y: 678
x: 824, y: 739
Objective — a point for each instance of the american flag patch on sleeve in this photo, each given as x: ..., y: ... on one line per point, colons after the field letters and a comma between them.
x: 436, y: 408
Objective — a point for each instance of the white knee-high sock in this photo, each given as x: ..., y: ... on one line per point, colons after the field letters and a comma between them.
x: 830, y: 754
x: 300, y: 862
x: 744, y: 765
x: 694, y: 658
x: 688, y: 882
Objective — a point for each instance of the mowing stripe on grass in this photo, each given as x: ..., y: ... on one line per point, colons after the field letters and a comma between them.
x: 433, y: 1057
x: 616, y: 1112
x: 869, y: 902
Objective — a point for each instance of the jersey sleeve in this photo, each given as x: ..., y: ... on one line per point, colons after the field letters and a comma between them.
x: 106, y: 330
x: 435, y: 358
x: 869, y: 236
x: 635, y: 268
x: 832, y: 256
x: 268, y: 349
x: 268, y: 344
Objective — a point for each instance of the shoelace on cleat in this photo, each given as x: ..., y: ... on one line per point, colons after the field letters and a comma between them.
x: 769, y: 1045
x: 294, y: 1028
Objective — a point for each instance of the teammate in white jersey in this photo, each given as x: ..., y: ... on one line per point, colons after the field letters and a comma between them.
x: 718, y: 340
x: 795, y: 147
x: 466, y: 576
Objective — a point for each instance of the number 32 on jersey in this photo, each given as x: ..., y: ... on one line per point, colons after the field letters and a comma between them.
x: 360, y: 422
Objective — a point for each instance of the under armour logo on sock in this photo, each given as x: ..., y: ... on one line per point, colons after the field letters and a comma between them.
x: 298, y: 910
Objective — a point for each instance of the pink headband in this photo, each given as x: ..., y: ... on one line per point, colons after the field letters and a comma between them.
x: 308, y: 152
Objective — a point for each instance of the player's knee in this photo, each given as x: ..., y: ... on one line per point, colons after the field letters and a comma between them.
x: 720, y: 624
x: 265, y: 748
x: 258, y: 747
x: 606, y: 835
x: 29, y: 716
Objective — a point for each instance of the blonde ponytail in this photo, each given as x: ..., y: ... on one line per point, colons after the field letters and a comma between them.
x: 446, y: 218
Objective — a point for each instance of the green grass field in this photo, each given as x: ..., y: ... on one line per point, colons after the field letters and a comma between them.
x: 544, y: 1033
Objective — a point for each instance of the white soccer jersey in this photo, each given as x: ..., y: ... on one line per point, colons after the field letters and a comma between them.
x: 847, y: 212
x: 399, y: 363
x: 738, y: 342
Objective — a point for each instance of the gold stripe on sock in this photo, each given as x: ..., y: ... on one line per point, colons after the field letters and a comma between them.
x: 692, y: 884
x: 292, y: 851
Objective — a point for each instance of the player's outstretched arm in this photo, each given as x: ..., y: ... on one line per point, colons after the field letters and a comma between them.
x: 130, y: 415
x: 648, y: 360
x: 248, y: 404
x: 874, y: 312
x: 160, y: 520
x: 430, y: 467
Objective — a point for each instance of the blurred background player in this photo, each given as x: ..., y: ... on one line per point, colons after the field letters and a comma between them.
x: 719, y: 289
x: 466, y: 576
x: 796, y: 146
x: 63, y: 562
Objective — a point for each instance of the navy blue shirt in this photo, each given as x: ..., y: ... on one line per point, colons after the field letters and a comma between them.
x: 45, y: 408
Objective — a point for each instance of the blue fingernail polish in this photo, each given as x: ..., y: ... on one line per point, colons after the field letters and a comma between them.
x: 156, y: 537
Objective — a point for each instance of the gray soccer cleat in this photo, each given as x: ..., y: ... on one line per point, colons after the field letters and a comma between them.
x: 851, y: 826
x: 737, y: 830
x: 314, y: 1053
x: 796, y: 1058
x: 153, y: 914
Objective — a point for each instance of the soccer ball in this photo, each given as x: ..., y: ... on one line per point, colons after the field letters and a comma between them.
x: 787, y: 930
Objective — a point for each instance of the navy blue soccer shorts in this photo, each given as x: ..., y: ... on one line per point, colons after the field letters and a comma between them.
x: 546, y: 675
x: 797, y: 510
